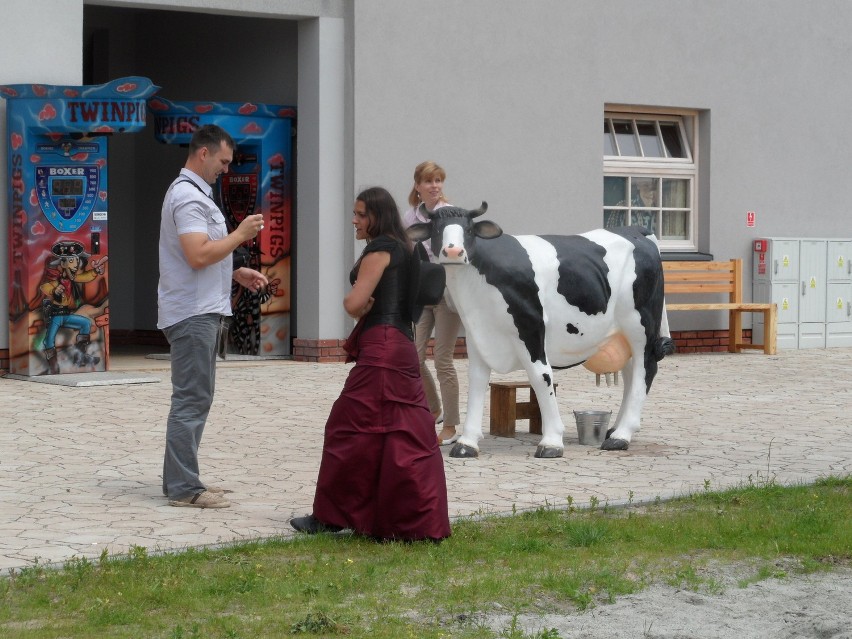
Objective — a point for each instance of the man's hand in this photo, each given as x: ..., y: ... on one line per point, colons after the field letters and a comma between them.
x: 250, y: 226
x: 248, y: 277
x: 200, y: 251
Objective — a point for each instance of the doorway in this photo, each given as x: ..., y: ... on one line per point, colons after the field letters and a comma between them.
x: 197, y: 56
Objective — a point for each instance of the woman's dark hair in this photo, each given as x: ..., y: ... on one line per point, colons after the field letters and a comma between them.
x: 384, y: 215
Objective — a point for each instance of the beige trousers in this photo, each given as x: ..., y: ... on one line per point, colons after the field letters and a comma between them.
x: 446, y: 324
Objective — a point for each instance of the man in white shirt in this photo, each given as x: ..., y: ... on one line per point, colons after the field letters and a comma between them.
x: 194, y: 297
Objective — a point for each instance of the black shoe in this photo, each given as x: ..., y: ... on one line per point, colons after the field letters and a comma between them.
x: 311, y: 525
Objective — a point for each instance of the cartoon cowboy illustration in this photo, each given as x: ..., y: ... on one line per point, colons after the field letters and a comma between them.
x: 63, y: 296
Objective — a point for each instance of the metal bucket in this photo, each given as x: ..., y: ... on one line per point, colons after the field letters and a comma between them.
x: 592, y: 426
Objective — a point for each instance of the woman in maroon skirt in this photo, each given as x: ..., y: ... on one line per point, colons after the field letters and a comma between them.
x: 382, y: 473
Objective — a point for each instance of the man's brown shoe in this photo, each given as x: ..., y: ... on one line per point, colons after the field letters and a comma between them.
x: 204, y: 499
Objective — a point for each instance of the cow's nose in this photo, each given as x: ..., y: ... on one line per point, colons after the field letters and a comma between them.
x: 454, y: 252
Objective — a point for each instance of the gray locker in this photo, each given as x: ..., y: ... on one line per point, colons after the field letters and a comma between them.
x: 838, y: 314
x: 786, y: 298
x: 812, y: 257
x: 810, y: 280
x: 775, y: 278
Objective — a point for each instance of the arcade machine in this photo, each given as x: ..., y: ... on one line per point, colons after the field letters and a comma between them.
x: 59, y: 214
x: 258, y: 181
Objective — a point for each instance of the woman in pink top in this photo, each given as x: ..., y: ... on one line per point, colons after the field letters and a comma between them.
x: 442, y: 318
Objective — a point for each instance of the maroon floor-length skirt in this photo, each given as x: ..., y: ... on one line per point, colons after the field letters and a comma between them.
x: 382, y: 472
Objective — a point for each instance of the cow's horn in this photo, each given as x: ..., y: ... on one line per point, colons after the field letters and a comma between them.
x: 482, y: 208
x: 422, y: 210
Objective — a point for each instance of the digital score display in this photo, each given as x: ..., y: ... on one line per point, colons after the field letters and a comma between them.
x: 66, y: 186
x: 67, y: 194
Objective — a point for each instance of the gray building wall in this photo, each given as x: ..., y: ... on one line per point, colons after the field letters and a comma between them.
x: 508, y: 96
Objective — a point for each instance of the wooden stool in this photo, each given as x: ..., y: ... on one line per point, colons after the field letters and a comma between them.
x: 506, y: 409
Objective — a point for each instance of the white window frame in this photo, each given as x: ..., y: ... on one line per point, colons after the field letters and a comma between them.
x: 678, y: 168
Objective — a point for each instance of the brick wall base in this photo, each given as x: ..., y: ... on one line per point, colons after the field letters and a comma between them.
x: 705, y: 341
x: 319, y: 350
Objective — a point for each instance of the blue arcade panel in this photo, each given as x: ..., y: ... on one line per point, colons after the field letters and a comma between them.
x: 258, y: 181
x: 59, y: 213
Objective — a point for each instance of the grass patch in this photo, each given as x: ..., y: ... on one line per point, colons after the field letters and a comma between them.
x: 547, y: 560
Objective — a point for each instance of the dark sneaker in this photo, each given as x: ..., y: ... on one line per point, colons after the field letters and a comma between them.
x: 311, y: 525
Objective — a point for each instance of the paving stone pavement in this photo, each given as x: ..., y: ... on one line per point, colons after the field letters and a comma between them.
x: 80, y: 467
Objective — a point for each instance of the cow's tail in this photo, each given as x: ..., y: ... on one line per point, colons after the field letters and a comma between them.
x: 664, y: 345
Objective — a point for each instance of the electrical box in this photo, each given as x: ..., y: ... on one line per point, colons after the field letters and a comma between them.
x: 838, y: 305
x: 810, y: 281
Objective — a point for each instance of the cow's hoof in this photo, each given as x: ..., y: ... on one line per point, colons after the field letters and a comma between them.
x: 460, y: 450
x: 548, y: 452
x: 615, y: 444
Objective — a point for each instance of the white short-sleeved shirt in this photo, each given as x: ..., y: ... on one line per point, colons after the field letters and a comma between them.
x: 184, y: 291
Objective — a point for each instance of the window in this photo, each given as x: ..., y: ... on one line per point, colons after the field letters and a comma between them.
x: 650, y: 175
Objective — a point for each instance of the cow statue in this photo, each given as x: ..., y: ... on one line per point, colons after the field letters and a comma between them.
x: 544, y: 302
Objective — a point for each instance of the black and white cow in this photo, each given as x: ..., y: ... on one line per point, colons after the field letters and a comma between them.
x: 551, y: 301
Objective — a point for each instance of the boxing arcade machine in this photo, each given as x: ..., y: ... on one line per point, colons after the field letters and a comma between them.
x: 258, y: 181
x: 59, y: 213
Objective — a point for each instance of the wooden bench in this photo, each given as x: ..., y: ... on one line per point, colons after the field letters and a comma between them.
x: 720, y: 277
x: 506, y: 409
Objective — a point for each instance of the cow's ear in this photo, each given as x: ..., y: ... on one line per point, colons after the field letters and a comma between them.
x: 487, y: 230
x: 419, y: 232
